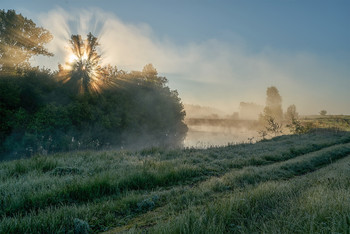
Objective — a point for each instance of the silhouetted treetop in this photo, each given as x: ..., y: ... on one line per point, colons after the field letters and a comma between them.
x: 83, y: 69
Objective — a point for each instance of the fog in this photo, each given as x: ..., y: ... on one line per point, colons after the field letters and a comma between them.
x: 204, y: 136
x: 212, y: 72
x: 209, y: 126
x: 225, y: 77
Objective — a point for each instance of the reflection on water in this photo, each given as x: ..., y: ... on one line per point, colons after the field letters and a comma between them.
x: 203, y: 136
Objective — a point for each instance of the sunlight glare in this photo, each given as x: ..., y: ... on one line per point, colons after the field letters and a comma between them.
x: 83, y: 65
x: 72, y: 58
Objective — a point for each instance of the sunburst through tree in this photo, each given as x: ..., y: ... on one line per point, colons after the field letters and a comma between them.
x: 82, y: 68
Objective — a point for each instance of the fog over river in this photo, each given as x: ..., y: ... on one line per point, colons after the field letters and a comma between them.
x: 205, y: 135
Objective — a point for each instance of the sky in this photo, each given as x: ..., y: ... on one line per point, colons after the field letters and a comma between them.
x: 215, y: 53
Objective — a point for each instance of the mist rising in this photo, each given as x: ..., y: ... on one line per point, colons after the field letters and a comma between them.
x: 210, y: 72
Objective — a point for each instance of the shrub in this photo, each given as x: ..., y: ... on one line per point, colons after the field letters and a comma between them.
x: 42, y: 115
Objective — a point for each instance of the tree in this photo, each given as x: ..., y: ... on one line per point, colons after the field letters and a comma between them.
x: 293, y: 122
x: 83, y: 70
x: 149, y: 71
x: 323, y: 112
x: 150, y: 74
x: 272, y: 126
x: 20, y: 39
x: 272, y: 115
x: 37, y: 115
x: 291, y: 113
x: 273, y: 106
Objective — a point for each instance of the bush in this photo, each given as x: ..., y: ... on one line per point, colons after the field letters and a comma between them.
x: 40, y: 114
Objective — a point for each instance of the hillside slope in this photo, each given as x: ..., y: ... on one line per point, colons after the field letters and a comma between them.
x: 289, y: 184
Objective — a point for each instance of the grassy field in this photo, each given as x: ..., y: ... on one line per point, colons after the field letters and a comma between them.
x: 289, y: 184
x: 328, y: 121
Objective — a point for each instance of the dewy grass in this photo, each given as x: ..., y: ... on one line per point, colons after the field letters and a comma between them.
x: 229, y: 189
x: 299, y: 166
x: 37, y: 163
x: 98, y: 186
x: 302, y: 205
x: 231, y: 214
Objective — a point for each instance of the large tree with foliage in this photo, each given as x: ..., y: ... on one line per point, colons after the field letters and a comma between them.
x: 20, y: 39
x: 131, y: 109
x: 38, y: 114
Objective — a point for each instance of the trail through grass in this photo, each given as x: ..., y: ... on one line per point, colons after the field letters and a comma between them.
x: 238, y: 188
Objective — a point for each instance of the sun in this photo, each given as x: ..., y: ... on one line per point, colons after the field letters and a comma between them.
x: 83, y: 64
x: 72, y: 58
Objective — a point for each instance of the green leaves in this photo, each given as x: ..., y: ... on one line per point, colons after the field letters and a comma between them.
x: 20, y: 39
x: 39, y: 114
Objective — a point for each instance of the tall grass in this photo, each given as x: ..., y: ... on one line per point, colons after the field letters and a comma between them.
x: 238, y: 188
x: 300, y: 205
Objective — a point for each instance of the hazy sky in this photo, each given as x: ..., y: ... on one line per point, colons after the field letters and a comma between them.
x: 216, y: 53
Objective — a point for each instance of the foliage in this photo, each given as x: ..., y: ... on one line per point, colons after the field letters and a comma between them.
x: 340, y: 122
x: 83, y: 105
x: 272, y: 126
x: 83, y: 72
x: 323, y: 112
x: 262, y: 134
x: 281, y: 185
x: 293, y: 123
x: 295, y: 126
x: 273, y: 106
x: 40, y: 114
x: 272, y: 116
x: 291, y: 113
x: 20, y: 39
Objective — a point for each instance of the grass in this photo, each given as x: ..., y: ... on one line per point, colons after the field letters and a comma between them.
x: 329, y: 121
x: 289, y: 184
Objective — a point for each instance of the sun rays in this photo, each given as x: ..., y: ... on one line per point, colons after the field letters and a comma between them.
x: 82, y: 66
